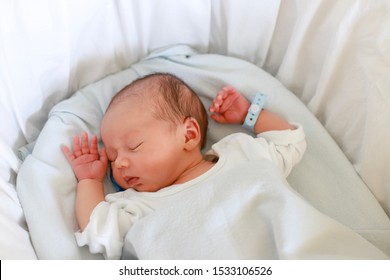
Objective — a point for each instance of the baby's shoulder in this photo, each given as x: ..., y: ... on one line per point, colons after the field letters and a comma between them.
x: 237, y: 138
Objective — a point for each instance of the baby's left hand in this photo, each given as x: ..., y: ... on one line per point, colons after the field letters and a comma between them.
x: 229, y: 106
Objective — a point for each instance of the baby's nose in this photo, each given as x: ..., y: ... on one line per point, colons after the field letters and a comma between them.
x: 121, y: 162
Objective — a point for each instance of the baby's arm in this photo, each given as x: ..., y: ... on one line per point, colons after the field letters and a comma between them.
x: 89, y: 165
x: 229, y: 106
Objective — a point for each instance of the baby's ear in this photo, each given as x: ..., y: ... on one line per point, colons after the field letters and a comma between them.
x: 192, y: 134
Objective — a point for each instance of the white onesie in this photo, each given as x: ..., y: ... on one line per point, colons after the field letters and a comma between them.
x: 112, y: 219
x: 242, y: 208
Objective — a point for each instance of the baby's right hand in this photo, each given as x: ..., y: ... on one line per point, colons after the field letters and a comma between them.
x: 86, y: 160
x: 229, y: 106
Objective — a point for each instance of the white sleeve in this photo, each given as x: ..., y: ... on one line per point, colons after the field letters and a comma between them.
x: 107, y: 227
x: 285, y: 147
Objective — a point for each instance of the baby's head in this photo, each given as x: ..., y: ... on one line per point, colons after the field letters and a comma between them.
x: 168, y: 98
x: 153, y: 131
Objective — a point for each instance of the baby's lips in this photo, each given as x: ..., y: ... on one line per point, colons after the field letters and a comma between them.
x: 131, y: 181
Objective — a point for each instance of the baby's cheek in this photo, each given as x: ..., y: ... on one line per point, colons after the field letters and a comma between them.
x: 117, y: 176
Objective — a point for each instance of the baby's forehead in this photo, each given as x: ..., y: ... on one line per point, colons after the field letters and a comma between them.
x: 134, y: 107
x: 138, y: 95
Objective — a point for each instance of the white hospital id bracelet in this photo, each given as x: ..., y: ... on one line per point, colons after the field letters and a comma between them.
x: 254, y: 111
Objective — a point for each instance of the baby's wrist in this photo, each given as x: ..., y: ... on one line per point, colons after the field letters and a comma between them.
x: 254, y: 111
x: 90, y: 181
x: 244, y: 113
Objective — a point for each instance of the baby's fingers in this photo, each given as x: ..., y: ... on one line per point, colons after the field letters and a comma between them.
x: 94, y: 145
x: 68, y: 154
x: 84, y: 143
x: 217, y: 102
x: 103, y: 156
x: 219, y: 118
x: 76, y: 146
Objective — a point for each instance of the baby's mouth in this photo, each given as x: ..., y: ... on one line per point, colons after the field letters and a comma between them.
x: 131, y: 181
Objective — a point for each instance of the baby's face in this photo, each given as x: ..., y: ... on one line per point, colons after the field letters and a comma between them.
x: 144, y: 152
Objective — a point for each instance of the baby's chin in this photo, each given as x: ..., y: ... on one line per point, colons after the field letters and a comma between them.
x: 146, y: 188
x: 137, y: 184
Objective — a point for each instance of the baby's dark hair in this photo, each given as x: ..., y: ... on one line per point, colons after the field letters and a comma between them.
x: 173, y: 101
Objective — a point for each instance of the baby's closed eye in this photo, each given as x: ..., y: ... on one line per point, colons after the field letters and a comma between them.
x: 135, y: 147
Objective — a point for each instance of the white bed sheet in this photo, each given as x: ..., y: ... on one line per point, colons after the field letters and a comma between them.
x: 46, y: 177
x: 336, y: 59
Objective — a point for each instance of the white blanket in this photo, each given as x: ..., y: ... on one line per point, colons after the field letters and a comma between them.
x: 324, y: 177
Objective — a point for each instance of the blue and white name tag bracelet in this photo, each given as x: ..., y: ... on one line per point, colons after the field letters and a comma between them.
x: 254, y: 111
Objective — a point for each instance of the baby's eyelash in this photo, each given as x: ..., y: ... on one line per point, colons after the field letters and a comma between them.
x: 136, y: 147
